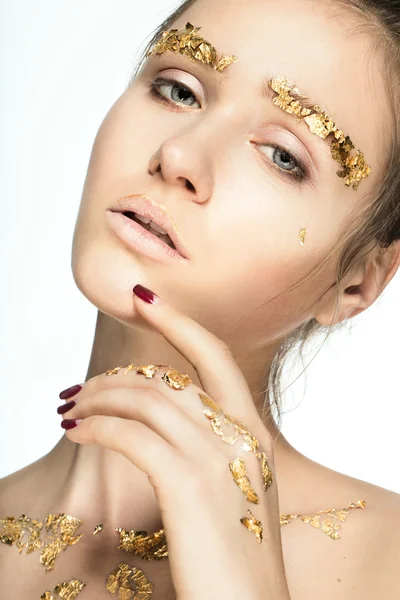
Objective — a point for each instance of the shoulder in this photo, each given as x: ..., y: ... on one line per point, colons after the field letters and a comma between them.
x: 362, y: 563
x: 371, y: 539
x: 382, y: 533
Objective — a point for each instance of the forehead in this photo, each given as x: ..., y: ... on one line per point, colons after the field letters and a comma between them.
x: 306, y: 42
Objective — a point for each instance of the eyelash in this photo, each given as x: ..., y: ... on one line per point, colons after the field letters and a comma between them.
x: 300, y: 174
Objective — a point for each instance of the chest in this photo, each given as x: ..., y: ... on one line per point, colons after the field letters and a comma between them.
x: 316, y: 567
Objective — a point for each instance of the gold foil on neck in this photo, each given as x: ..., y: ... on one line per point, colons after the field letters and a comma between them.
x: 289, y: 99
x: 186, y: 42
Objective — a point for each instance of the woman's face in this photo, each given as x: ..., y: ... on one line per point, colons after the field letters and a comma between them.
x: 210, y: 160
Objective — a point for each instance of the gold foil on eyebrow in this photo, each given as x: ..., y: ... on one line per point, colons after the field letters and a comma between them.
x: 194, y: 47
x: 289, y: 99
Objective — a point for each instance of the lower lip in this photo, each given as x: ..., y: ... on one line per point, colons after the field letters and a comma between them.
x: 137, y: 237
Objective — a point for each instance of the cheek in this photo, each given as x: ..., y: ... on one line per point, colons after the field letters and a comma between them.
x: 256, y: 261
x: 122, y: 143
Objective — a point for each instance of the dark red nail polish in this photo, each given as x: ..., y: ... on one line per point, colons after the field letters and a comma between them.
x: 145, y: 294
x: 66, y: 407
x: 71, y: 391
x: 68, y: 423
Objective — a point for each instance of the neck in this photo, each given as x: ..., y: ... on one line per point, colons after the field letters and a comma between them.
x: 93, y: 482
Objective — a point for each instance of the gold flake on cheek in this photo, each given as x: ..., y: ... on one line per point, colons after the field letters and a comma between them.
x: 302, y: 235
x: 289, y: 99
x: 192, y: 46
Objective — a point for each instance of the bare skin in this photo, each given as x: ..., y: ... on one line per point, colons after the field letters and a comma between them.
x: 225, y: 194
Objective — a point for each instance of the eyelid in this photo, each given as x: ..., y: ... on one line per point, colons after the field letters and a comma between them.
x: 177, y: 77
x: 289, y: 142
x: 304, y: 172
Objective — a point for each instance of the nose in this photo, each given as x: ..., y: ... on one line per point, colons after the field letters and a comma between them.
x: 183, y: 165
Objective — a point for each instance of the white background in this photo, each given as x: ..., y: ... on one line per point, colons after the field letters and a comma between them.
x: 63, y: 64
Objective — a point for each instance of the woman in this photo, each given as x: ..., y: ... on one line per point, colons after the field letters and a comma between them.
x: 277, y: 215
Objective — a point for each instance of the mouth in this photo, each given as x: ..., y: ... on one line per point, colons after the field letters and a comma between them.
x: 150, y: 226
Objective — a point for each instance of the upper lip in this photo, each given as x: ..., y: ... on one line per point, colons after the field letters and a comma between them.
x: 146, y: 207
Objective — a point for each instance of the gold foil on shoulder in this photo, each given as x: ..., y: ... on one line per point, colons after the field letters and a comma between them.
x: 329, y: 525
x: 126, y: 580
x: 194, y: 47
x: 302, y: 235
x: 289, y: 99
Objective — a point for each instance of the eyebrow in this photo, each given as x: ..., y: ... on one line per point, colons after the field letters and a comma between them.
x: 268, y: 94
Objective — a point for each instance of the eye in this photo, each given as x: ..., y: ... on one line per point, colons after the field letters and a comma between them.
x: 180, y: 94
x: 289, y: 166
x: 286, y: 162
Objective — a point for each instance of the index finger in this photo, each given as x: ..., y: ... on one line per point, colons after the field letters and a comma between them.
x: 211, y: 358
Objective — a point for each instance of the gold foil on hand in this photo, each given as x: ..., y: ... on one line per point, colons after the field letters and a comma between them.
x: 289, y: 99
x: 214, y: 413
x: 173, y: 378
x: 266, y: 471
x: 194, y: 47
x: 239, y: 473
x: 302, y: 236
x: 253, y: 525
x: 176, y: 380
x: 125, y: 580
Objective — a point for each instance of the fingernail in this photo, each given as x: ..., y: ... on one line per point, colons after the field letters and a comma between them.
x: 145, y: 294
x: 71, y: 391
x: 70, y: 423
x: 66, y: 407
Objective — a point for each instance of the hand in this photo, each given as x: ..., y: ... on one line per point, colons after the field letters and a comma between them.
x: 165, y: 432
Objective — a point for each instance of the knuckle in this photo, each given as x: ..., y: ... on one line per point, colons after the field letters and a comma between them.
x: 101, y: 426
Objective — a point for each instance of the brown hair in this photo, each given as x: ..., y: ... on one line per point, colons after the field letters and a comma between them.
x: 378, y: 220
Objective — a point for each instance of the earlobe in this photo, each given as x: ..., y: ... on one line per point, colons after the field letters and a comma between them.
x: 362, y: 285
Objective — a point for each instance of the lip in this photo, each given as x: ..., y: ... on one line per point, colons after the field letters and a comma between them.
x: 138, y: 238
x: 146, y: 207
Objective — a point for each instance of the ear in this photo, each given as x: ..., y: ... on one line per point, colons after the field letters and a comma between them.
x: 361, y: 286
